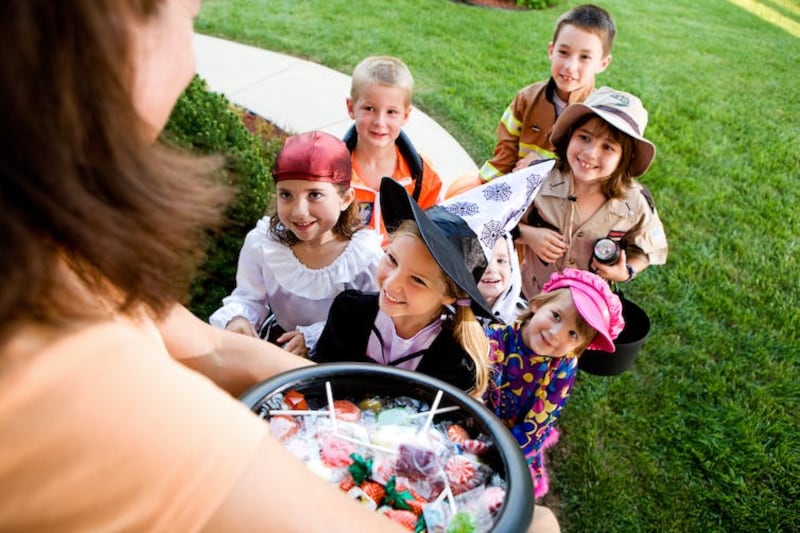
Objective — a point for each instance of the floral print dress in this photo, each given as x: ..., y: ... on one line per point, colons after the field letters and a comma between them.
x: 527, y: 392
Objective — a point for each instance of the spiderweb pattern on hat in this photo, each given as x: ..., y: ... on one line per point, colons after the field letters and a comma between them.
x: 494, y: 208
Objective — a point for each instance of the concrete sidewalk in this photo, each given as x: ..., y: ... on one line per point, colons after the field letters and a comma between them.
x: 298, y: 95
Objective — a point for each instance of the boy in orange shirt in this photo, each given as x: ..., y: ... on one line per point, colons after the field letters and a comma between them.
x: 380, y: 105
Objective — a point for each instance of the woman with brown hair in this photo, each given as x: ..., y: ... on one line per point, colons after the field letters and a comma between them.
x: 104, y: 422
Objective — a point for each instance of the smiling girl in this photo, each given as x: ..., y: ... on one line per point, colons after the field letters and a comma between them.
x: 424, y: 316
x: 536, y: 358
x: 593, y: 193
x: 292, y: 265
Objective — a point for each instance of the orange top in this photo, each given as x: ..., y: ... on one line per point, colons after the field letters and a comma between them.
x: 368, y: 198
x: 101, y: 430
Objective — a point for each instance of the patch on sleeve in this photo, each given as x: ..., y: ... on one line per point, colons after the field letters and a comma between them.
x: 649, y: 197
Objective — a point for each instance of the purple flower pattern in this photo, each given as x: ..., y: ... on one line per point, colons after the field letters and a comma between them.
x: 527, y: 391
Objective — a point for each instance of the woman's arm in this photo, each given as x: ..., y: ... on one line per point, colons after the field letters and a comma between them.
x: 234, y: 362
x: 300, y: 502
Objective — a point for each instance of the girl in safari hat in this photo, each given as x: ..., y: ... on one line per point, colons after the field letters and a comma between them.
x: 593, y: 193
x: 536, y: 358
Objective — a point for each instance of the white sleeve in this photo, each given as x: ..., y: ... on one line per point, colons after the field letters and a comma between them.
x: 311, y: 334
x: 250, y: 297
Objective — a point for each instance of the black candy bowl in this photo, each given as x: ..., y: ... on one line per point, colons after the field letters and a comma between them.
x: 360, y: 380
x: 627, y: 345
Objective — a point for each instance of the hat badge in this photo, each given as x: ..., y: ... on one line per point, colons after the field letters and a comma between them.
x: 621, y: 99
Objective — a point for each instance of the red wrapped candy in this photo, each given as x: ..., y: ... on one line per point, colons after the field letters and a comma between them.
x: 346, y: 411
x: 295, y: 400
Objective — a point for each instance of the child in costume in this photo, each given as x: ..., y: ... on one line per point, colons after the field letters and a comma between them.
x: 501, y: 283
x: 424, y: 316
x: 493, y: 211
x: 294, y: 263
x: 579, y: 51
x: 380, y: 105
x: 593, y: 193
x: 535, y: 359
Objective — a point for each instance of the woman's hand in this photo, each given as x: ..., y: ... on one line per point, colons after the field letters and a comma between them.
x: 547, y: 244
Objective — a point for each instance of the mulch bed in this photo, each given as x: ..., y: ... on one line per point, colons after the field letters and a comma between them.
x: 495, y: 4
x: 260, y: 126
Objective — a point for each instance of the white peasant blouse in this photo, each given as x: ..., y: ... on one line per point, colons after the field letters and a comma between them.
x: 270, y: 277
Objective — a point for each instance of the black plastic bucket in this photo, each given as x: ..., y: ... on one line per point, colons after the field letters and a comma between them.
x: 628, y: 344
x: 366, y: 379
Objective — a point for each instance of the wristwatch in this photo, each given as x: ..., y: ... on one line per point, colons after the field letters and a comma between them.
x: 631, y: 272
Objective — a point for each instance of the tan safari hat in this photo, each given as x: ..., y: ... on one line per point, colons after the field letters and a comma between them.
x: 622, y: 110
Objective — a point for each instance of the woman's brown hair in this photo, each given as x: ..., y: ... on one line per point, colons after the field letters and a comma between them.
x: 82, y: 184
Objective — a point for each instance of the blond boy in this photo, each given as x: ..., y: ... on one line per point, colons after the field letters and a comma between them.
x: 380, y: 105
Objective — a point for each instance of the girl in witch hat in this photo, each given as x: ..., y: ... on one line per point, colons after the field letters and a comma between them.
x: 423, y: 317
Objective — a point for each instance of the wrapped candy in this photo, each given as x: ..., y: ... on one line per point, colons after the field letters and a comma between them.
x: 389, y: 455
x: 460, y: 472
x: 283, y: 427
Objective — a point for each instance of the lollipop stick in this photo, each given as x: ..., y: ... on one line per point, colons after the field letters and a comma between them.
x: 450, y: 497
x: 296, y: 412
x: 362, y: 443
x: 332, y: 411
x: 435, y: 405
x: 436, y: 412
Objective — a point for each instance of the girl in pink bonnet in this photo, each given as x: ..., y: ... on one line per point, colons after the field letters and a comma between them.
x: 535, y: 359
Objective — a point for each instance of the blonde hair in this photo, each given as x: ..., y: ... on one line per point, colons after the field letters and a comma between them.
x: 586, y: 332
x: 381, y: 70
x: 467, y: 331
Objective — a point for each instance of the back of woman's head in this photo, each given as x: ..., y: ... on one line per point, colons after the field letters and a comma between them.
x: 82, y: 183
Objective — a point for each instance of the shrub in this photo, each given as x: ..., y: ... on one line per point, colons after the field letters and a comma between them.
x: 207, y: 123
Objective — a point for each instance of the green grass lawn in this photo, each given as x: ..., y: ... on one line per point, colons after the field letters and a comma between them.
x: 704, y: 433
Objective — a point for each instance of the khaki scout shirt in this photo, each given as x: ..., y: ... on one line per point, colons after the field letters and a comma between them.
x: 631, y: 220
x: 525, y: 127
